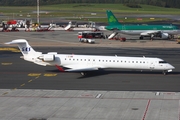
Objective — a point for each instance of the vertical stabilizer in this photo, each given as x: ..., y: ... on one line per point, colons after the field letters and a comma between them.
x: 112, y: 20
x: 24, y: 46
x: 28, y: 52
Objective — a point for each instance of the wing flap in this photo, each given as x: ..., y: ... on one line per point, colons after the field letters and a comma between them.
x: 153, y: 32
x: 82, y: 69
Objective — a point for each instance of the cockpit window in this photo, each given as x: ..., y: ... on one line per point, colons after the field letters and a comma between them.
x: 162, y: 62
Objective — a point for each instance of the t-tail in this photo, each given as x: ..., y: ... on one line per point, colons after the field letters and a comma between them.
x: 28, y: 52
x: 112, y: 20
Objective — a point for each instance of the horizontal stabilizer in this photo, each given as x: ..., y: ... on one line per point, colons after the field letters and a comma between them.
x: 40, y: 63
x: 17, y: 41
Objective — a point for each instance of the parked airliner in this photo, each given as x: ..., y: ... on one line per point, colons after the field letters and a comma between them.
x: 162, y: 31
x: 84, y: 63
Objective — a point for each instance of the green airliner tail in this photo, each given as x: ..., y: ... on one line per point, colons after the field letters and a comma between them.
x: 112, y: 20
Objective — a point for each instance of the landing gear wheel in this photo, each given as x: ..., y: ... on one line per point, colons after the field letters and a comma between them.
x: 164, y: 72
x: 151, y: 37
x: 141, y: 37
x: 83, y: 73
x: 171, y: 37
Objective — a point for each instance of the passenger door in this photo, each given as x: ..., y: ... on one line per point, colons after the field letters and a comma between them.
x: 152, y: 65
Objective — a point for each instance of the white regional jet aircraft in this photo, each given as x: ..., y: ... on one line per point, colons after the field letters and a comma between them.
x: 84, y: 63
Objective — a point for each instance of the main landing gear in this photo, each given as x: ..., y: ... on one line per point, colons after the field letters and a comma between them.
x: 141, y: 37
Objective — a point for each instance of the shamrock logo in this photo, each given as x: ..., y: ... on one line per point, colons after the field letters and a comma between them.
x: 112, y: 19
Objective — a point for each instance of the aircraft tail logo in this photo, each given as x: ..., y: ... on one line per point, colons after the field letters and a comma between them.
x: 112, y: 20
x: 24, y: 46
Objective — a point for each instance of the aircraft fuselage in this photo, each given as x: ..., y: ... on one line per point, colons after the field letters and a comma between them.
x: 138, y: 29
x: 141, y: 63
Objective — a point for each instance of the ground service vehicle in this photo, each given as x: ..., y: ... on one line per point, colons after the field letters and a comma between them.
x: 86, y: 40
x: 91, y: 34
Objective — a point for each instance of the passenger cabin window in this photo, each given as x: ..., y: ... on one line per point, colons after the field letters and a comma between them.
x: 162, y: 62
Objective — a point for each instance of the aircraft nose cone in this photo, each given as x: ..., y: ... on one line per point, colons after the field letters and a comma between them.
x: 171, y: 67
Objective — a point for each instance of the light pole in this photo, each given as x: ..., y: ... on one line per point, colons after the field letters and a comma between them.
x: 38, y: 11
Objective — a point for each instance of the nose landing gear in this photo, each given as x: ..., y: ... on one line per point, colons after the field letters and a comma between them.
x: 83, y: 73
x: 164, y: 72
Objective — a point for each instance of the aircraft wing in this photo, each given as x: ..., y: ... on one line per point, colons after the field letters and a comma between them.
x: 79, y: 68
x: 82, y: 69
x: 153, y: 32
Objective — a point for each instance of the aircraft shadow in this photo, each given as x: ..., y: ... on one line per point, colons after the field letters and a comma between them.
x: 102, y: 72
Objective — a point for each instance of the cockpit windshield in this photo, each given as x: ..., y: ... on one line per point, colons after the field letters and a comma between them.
x: 162, y: 62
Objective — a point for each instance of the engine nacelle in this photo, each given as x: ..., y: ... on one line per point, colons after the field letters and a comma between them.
x: 47, y: 57
x: 164, y: 35
x: 145, y: 34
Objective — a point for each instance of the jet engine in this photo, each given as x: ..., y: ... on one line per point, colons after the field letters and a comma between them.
x: 164, y: 35
x: 47, y: 57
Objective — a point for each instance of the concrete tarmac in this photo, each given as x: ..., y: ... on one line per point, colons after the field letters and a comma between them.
x: 70, y: 38
x: 32, y: 92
